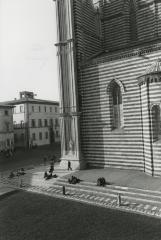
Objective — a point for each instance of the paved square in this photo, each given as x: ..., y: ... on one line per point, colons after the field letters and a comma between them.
x: 30, y: 216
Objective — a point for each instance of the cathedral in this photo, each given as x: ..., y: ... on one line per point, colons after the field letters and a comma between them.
x: 109, y: 59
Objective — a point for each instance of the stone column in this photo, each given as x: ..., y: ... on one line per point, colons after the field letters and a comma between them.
x: 69, y: 115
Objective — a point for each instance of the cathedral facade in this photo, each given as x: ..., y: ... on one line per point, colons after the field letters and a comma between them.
x: 109, y: 57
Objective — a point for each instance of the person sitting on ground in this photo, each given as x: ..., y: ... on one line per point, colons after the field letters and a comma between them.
x: 55, y: 176
x: 49, y: 176
x: 18, y: 172
x: 101, y: 181
x: 45, y: 174
x: 11, y: 175
x: 22, y: 171
x: 73, y: 180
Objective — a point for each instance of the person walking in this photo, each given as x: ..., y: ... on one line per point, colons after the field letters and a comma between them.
x: 69, y: 166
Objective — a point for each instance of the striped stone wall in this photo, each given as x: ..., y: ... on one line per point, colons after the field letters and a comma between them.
x: 115, y: 24
x: 146, y: 20
x: 129, y: 146
x: 87, y: 29
x: 113, y: 40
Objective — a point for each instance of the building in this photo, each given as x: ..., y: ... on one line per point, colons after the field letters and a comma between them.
x: 36, y: 122
x: 109, y: 55
x: 6, y: 128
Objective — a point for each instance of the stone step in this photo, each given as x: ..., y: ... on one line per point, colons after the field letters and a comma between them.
x: 128, y: 193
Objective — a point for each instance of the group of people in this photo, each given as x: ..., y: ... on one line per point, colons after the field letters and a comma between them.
x: 7, y: 152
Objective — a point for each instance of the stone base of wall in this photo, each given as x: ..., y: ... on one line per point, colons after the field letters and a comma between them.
x: 75, y: 163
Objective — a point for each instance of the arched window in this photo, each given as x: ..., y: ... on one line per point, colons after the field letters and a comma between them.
x: 117, y: 107
x: 156, y: 123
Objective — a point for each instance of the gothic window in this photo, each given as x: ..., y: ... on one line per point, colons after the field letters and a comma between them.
x: 117, y: 107
x: 156, y: 123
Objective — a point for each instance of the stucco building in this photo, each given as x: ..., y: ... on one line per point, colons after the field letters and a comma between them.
x: 6, y: 127
x: 36, y: 121
x: 109, y: 55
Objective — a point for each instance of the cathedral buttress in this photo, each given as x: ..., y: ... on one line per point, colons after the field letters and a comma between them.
x: 69, y: 112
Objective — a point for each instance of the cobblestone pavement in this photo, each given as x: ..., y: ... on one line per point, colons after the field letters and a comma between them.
x: 51, y: 189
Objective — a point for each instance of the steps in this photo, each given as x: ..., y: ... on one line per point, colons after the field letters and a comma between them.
x: 131, y: 194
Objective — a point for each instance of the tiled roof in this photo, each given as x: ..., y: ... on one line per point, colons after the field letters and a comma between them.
x: 2, y: 105
x: 31, y: 100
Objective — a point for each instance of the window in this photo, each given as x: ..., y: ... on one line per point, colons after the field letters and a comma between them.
x: 33, y: 136
x: 46, y: 135
x: 22, y: 123
x: 51, y: 122
x: 40, y: 123
x: 57, y: 134
x: 40, y: 135
x: 56, y: 109
x: 39, y: 109
x: 45, y: 108
x: 8, y: 143
x: 156, y: 123
x: 7, y: 126
x: 56, y: 122
x: 45, y: 122
x: 22, y: 136
x: 21, y: 108
x: 15, y: 137
x: 32, y: 108
x: 50, y: 109
x: 117, y: 107
x: 33, y: 123
x: 6, y: 112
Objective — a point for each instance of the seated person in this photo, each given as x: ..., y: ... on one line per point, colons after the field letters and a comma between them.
x: 45, y: 174
x: 49, y: 176
x: 55, y: 176
x: 51, y: 169
x: 18, y: 172
x: 11, y: 175
x: 22, y: 171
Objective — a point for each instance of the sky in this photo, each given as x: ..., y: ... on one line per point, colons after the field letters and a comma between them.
x: 28, y: 59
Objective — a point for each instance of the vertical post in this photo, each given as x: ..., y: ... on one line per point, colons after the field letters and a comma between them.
x: 63, y: 188
x: 119, y: 199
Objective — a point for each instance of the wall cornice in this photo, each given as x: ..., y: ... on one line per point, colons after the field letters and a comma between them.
x: 139, y: 51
